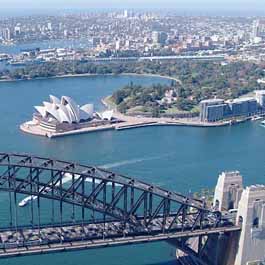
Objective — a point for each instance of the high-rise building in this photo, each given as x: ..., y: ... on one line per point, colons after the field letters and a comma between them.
x: 127, y: 44
x: 49, y: 26
x: 255, y: 28
x: 259, y: 28
x: 125, y: 14
x: 17, y: 30
x: 243, y: 106
x: 212, y: 110
x: 7, y: 34
x: 159, y: 37
x: 162, y: 37
x: 95, y: 41
x: 117, y: 45
x: 155, y: 37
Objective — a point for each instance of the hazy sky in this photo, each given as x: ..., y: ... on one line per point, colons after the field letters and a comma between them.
x: 202, y: 7
x: 197, y: 4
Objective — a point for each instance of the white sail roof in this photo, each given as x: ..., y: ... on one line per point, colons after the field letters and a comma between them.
x: 52, y: 109
x: 65, y: 110
x: 72, y: 107
x: 106, y: 115
x: 89, y: 109
x: 41, y: 110
x: 55, y: 100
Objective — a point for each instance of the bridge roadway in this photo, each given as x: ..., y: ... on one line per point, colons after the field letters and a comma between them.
x: 130, y: 211
x: 158, y: 58
x: 28, y: 241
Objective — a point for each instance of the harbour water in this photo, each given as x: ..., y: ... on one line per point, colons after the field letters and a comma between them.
x: 178, y: 158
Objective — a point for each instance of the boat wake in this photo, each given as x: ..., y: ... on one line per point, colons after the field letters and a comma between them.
x: 131, y: 161
x: 68, y: 177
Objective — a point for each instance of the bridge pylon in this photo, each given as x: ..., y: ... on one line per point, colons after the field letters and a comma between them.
x: 228, y: 190
x: 248, y: 204
x: 251, y: 213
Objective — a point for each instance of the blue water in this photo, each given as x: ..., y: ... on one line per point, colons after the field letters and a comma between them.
x: 177, y: 158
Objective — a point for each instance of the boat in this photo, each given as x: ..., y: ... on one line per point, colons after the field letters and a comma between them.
x: 28, y: 199
x: 256, y: 118
x: 17, y: 63
x: 67, y: 177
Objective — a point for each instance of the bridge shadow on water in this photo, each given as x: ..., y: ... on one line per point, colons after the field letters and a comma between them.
x: 171, y: 262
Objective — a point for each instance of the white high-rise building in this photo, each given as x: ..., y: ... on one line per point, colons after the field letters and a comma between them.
x: 7, y: 34
x: 159, y: 37
x: 155, y: 36
x: 49, y: 26
x: 17, y: 30
x: 260, y: 97
x: 117, y: 45
x: 258, y: 28
x: 255, y: 28
x: 125, y: 13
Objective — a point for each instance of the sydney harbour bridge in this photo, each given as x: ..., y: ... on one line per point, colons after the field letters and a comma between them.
x: 69, y: 206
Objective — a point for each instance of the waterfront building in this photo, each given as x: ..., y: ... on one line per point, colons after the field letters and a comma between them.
x: 260, y: 97
x: 211, y: 110
x: 64, y: 114
x: 64, y: 110
x: 243, y: 106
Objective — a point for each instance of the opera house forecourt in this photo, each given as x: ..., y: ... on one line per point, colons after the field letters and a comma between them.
x: 63, y: 116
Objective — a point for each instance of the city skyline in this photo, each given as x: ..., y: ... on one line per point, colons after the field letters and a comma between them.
x: 181, y: 5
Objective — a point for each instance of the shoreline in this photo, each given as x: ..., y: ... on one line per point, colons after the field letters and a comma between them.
x: 127, y: 122
x: 126, y: 125
x: 92, y: 75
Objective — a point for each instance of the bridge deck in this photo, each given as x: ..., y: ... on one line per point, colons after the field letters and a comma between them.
x: 71, y: 238
x: 142, y: 212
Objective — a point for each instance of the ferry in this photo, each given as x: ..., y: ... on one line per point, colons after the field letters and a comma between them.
x: 28, y: 199
x: 67, y: 177
x: 31, y: 198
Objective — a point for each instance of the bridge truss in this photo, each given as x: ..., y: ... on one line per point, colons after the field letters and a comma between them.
x: 92, y: 207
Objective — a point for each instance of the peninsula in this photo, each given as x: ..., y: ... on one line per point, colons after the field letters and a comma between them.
x: 64, y: 117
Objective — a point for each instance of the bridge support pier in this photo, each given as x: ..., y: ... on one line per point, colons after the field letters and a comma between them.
x: 228, y: 190
x: 251, y: 213
x: 248, y: 246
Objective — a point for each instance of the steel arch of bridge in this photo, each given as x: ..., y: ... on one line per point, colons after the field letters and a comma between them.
x: 43, y: 177
x: 135, y: 210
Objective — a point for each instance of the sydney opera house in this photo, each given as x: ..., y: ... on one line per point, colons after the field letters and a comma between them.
x: 64, y: 114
